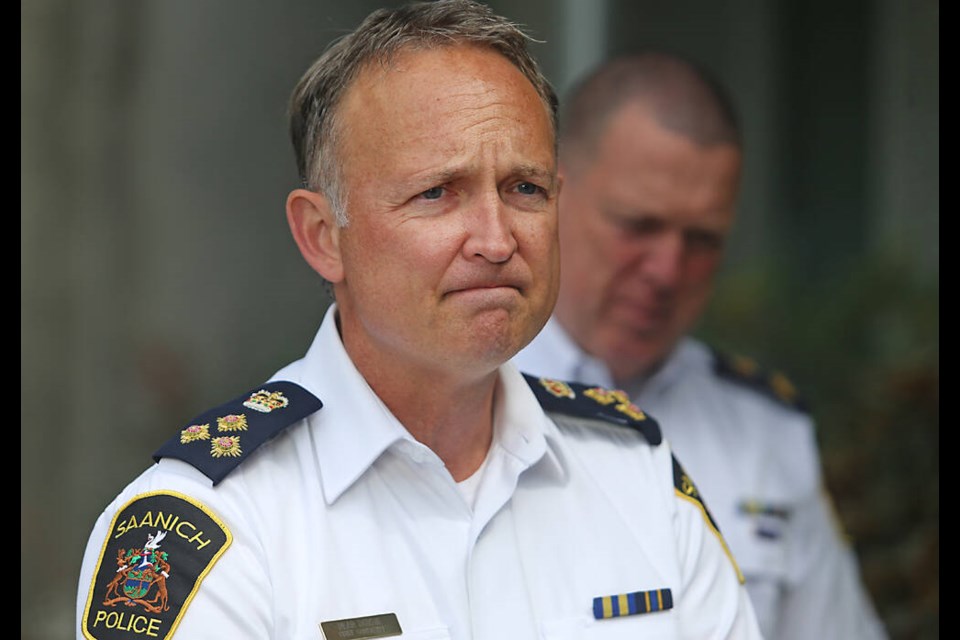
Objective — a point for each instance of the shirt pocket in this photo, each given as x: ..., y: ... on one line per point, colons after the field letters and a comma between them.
x: 438, y: 633
x: 765, y: 565
x: 652, y: 626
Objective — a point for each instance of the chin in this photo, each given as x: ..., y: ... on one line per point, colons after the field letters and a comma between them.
x: 492, y: 343
x: 630, y: 357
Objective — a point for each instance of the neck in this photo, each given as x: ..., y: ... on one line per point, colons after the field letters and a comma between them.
x: 449, y: 412
x: 454, y: 420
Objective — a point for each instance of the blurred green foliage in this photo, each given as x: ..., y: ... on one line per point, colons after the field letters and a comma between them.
x: 862, y: 345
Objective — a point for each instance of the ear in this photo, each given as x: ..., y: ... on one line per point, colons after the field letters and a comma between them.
x: 316, y: 233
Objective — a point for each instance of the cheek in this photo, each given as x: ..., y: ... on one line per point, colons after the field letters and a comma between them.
x: 591, y: 253
x: 701, y: 269
x: 540, y: 235
x: 622, y: 261
x: 397, y: 253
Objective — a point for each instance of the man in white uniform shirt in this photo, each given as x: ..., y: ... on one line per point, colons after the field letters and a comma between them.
x: 651, y: 158
x: 403, y: 478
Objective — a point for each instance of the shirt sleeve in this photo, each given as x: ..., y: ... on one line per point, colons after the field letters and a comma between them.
x: 714, y: 603
x: 824, y: 596
x: 203, y: 579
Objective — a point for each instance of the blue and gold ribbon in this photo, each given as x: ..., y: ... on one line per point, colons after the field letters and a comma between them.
x: 629, y: 604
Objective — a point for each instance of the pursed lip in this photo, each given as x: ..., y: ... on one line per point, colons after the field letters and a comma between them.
x: 496, y: 295
x: 485, y: 284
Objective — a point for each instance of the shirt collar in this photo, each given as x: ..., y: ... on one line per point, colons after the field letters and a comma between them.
x: 354, y: 428
x: 523, y: 430
x: 689, y: 355
x: 554, y: 354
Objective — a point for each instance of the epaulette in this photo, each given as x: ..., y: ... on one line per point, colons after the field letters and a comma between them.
x: 575, y: 399
x: 746, y: 371
x: 218, y: 440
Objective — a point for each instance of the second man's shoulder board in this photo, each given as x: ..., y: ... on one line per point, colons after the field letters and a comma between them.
x: 747, y: 372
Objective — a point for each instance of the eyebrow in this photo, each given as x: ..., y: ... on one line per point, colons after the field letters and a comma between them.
x: 524, y: 170
x: 538, y: 173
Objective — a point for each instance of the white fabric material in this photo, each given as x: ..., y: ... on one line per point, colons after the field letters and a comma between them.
x: 739, y: 445
x: 346, y: 515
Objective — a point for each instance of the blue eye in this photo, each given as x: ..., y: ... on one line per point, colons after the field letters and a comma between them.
x: 528, y: 189
x: 433, y: 193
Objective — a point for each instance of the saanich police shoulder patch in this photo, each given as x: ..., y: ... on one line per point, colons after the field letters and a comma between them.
x: 772, y: 384
x: 585, y: 401
x: 685, y: 489
x: 217, y: 441
x: 160, y: 547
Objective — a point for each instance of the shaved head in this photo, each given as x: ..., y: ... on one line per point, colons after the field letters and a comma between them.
x: 680, y: 96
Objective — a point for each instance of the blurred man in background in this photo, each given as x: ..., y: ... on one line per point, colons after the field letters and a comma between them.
x: 651, y: 159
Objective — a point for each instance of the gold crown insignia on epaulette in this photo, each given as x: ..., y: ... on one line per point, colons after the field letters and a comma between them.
x: 265, y: 401
x: 558, y: 388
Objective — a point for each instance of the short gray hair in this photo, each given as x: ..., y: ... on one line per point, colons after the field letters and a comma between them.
x: 314, y: 126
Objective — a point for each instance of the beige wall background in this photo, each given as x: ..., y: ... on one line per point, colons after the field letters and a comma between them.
x: 157, y: 276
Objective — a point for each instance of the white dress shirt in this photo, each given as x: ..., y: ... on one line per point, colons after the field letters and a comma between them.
x: 756, y: 463
x: 344, y: 515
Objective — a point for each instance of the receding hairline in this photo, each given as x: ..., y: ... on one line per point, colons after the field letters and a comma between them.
x: 679, y: 95
x: 385, y: 34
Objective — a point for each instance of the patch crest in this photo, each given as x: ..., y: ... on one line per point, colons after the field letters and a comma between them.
x: 278, y: 406
x: 585, y: 401
x: 160, y: 547
x: 686, y: 489
x: 746, y: 371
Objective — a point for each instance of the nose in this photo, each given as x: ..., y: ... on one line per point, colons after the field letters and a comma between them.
x: 663, y: 263
x: 489, y: 232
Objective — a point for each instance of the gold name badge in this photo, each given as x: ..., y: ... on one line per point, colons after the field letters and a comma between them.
x: 379, y: 626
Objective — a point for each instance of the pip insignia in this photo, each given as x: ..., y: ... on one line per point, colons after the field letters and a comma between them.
x: 623, y: 404
x: 195, y: 432
x: 746, y: 371
x: 232, y: 422
x: 595, y: 403
x: 225, y: 446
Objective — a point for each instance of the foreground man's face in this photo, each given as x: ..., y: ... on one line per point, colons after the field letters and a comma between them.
x: 450, y: 258
x: 643, y: 226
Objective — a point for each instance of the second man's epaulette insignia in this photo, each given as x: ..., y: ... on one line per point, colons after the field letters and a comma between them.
x: 217, y: 441
x: 746, y: 371
x: 586, y: 401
